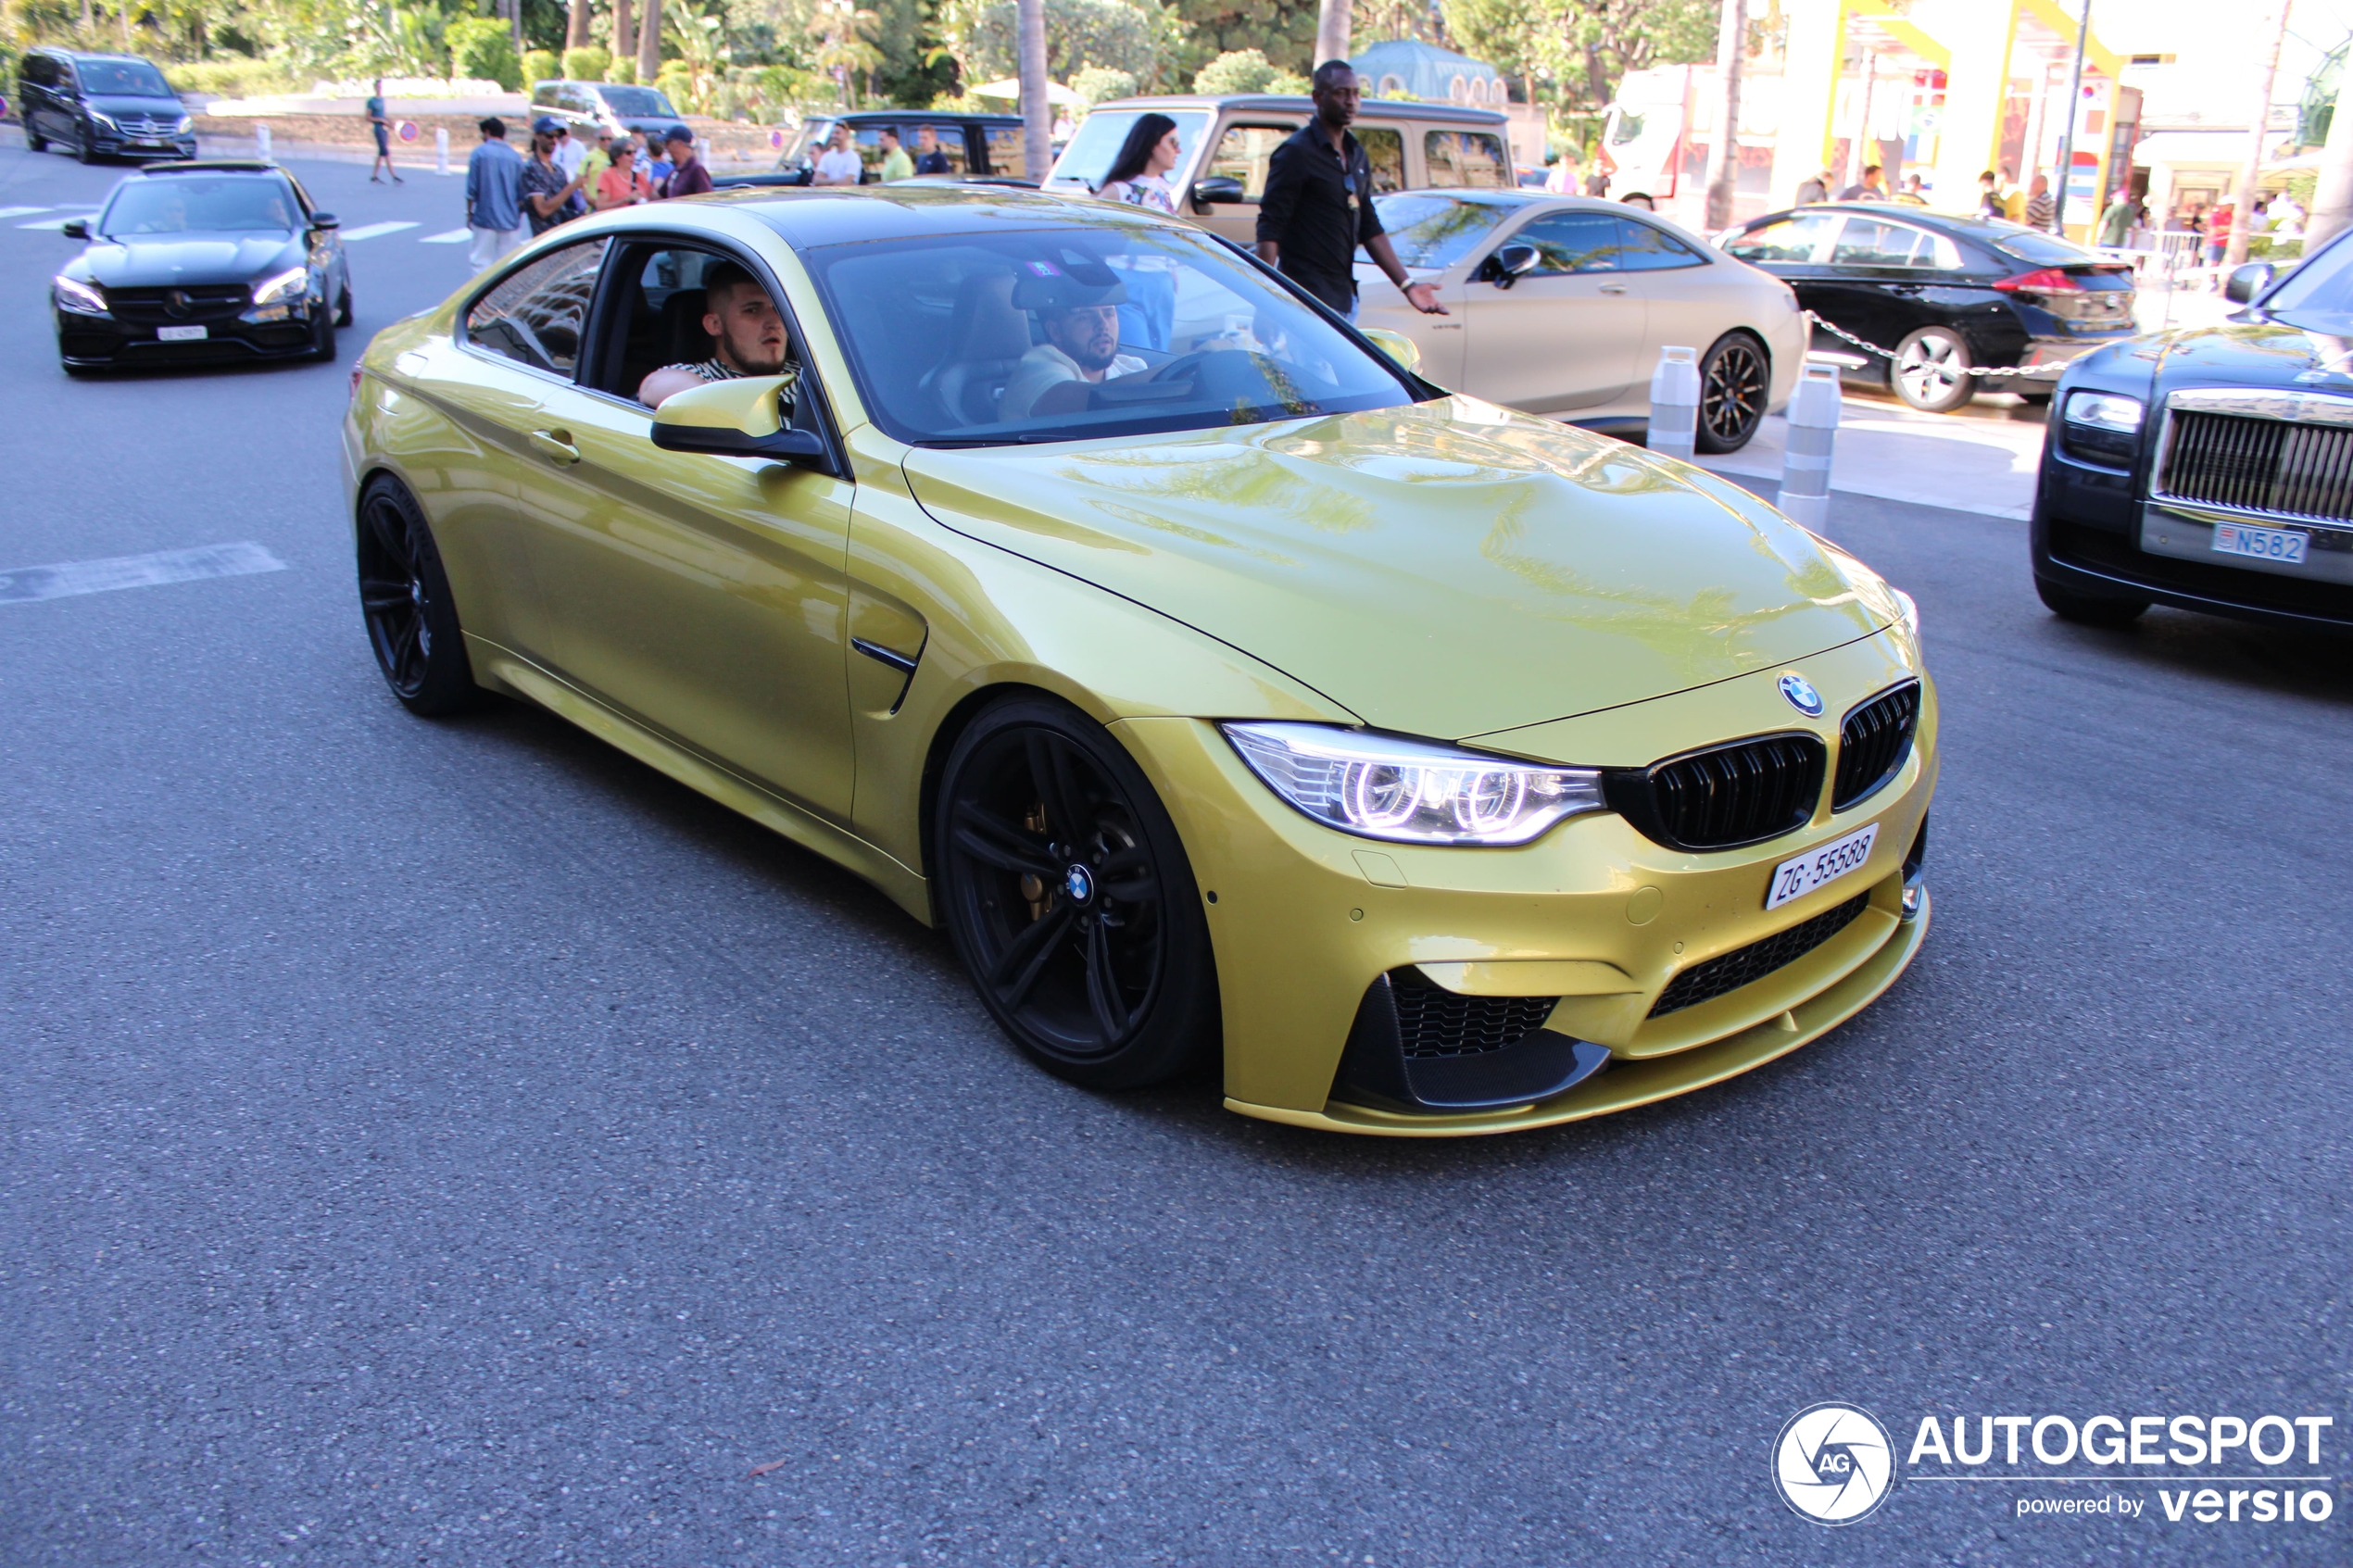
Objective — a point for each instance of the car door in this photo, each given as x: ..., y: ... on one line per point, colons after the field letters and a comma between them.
x: 1869, y: 285
x: 1566, y: 334
x: 1243, y: 151
x: 1684, y: 300
x: 706, y: 597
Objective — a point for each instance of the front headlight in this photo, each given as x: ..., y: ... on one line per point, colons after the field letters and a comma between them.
x: 285, y: 285
x: 2104, y: 427
x: 2108, y: 410
x: 1412, y: 792
x: 104, y: 119
x: 74, y: 294
x: 186, y: 122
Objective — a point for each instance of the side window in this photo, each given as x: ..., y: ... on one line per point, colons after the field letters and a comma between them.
x: 948, y: 139
x: 39, y: 70
x: 660, y: 298
x: 1792, y: 239
x: 547, y: 94
x: 1005, y: 154
x: 1466, y: 158
x: 1243, y: 153
x: 535, y: 315
x: 1384, y: 149
x: 1642, y: 248
x: 866, y: 142
x: 1572, y: 242
x: 1869, y: 242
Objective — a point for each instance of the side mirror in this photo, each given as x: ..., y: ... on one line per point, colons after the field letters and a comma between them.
x: 1218, y: 188
x: 1505, y: 268
x: 75, y: 228
x: 734, y: 419
x: 1397, y: 345
x: 325, y: 220
x: 2247, y: 282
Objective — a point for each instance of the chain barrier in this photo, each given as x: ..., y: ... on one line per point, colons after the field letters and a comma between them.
x: 2012, y: 372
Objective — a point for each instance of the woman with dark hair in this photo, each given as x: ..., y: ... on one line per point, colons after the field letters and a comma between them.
x: 1139, y: 175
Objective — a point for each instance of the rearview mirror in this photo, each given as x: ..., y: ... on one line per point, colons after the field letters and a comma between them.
x: 1397, y: 345
x: 75, y: 228
x: 1503, y: 268
x: 735, y: 418
x: 2247, y: 282
x: 1218, y: 188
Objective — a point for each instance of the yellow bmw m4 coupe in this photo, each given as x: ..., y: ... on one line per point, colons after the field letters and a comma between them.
x: 1228, y: 691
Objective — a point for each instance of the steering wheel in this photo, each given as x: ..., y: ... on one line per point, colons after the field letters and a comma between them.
x: 1232, y: 372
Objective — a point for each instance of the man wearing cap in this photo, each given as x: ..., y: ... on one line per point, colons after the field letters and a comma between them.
x: 493, y: 195
x: 1078, y: 310
x: 1318, y: 206
x: 687, y: 176
x: 548, y: 197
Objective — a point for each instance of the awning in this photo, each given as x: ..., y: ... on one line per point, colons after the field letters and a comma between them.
x: 1010, y: 88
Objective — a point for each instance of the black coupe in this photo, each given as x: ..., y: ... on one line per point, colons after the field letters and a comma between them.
x: 2210, y: 469
x: 203, y: 262
x: 1940, y: 296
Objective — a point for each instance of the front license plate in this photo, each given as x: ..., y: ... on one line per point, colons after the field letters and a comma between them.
x: 181, y: 334
x: 1820, y: 868
x: 2281, y: 545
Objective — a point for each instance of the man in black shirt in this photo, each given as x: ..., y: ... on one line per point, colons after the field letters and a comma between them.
x: 1318, y: 206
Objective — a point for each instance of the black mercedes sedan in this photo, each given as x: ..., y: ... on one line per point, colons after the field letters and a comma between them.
x: 2210, y: 469
x: 202, y: 262
x: 1925, y: 298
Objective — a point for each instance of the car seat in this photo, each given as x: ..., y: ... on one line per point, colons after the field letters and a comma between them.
x: 990, y: 338
x: 681, y: 336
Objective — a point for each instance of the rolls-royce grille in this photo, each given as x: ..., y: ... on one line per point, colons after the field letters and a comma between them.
x: 1436, y: 1023
x: 1874, y: 742
x: 1727, y: 795
x: 1728, y: 972
x: 2260, y: 465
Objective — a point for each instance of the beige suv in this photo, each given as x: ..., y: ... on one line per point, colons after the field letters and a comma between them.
x: 1228, y: 141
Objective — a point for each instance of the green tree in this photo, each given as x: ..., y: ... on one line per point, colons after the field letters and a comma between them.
x: 1098, y: 85
x: 1581, y: 48
x: 540, y: 66
x: 1246, y: 71
x: 1109, y: 33
x: 588, y: 63
x: 481, y: 49
x: 1284, y: 30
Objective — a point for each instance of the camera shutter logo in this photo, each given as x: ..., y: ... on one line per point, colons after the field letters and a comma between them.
x: 1833, y: 1464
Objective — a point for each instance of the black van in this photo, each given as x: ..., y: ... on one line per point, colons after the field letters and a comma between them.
x: 102, y: 105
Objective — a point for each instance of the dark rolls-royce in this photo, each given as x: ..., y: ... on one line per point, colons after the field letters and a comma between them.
x: 2210, y: 469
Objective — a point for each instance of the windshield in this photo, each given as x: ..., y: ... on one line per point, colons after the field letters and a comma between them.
x: 1435, y: 231
x: 2035, y: 246
x: 2326, y: 282
x: 801, y: 145
x: 123, y: 78
x: 1100, y: 137
x: 214, y: 203
x: 1071, y: 333
x: 639, y: 103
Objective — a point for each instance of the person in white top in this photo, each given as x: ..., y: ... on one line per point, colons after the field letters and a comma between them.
x: 1081, y: 350
x: 839, y: 163
x: 570, y: 154
x: 1138, y: 176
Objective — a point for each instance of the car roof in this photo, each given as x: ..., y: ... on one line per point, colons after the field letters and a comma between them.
x: 1289, y: 102
x: 207, y: 166
x: 808, y: 217
x: 914, y: 117
x: 1954, y: 225
x: 91, y: 54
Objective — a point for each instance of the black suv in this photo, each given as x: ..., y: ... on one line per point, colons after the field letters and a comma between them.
x: 102, y: 105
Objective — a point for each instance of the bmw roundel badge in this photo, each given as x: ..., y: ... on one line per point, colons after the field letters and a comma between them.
x: 1079, y: 883
x: 1802, y: 696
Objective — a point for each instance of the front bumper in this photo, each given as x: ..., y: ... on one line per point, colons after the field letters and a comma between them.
x: 97, y: 341
x: 1305, y: 920
x: 107, y: 143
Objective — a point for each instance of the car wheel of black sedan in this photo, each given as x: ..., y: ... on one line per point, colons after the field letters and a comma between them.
x: 1069, y: 897
x: 323, y: 336
x: 343, y: 306
x: 1733, y: 383
x: 35, y: 142
x: 405, y: 598
x: 2085, y: 609
x: 1930, y: 371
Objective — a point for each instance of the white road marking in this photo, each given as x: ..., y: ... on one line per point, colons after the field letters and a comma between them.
x: 28, y: 582
x: 20, y: 211
x: 449, y: 237
x: 372, y: 231
x: 51, y: 224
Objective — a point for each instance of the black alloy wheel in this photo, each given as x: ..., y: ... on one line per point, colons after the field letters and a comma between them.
x: 88, y: 151
x: 322, y: 333
x: 1734, y: 381
x: 405, y: 598
x: 1068, y: 895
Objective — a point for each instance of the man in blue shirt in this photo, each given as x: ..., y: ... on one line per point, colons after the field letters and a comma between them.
x: 493, y: 195
x: 382, y: 126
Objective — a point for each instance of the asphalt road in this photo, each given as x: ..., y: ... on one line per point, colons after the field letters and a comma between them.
x: 455, y: 1143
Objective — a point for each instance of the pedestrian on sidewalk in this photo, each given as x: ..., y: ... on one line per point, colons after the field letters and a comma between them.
x: 1317, y: 207
x: 374, y: 110
x: 2041, y: 205
x: 688, y: 175
x: 493, y: 195
x: 548, y: 197
x: 1871, y: 187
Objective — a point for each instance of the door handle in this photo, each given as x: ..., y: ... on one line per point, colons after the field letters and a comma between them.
x: 1613, y: 288
x: 555, y: 445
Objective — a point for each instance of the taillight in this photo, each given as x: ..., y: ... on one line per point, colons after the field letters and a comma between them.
x: 357, y: 372
x: 2043, y: 280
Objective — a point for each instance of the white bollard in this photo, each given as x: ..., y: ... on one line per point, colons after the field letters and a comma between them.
x: 1806, y: 466
x: 441, y: 149
x: 1675, y: 403
x: 262, y: 141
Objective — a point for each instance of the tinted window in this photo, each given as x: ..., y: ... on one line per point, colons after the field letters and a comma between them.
x: 1466, y: 158
x: 1867, y: 242
x: 1101, y: 135
x: 946, y: 140
x: 1572, y: 242
x: 534, y: 315
x: 175, y: 204
x: 547, y: 93
x: 637, y: 103
x: 1791, y: 239
x: 1385, y: 150
x: 41, y: 70
x: 128, y: 78
x: 662, y: 296
x: 1007, y: 155
x: 1642, y: 248
x: 1243, y: 153
x: 1435, y: 230
x: 983, y: 340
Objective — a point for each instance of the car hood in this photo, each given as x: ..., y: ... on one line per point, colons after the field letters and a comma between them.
x: 2255, y: 348
x: 160, y: 260
x: 1446, y: 569
x: 162, y: 108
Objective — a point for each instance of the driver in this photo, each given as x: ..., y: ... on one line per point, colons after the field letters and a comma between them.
x: 751, y: 331
x: 1079, y: 319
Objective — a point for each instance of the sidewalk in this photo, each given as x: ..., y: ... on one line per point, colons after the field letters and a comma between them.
x: 1982, y: 460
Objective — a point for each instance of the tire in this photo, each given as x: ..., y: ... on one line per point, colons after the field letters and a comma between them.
x: 2035, y: 397
x: 343, y: 306
x: 1929, y: 370
x: 406, y: 604
x: 87, y: 151
x: 1735, y: 379
x: 1089, y: 947
x: 322, y: 337
x: 35, y: 142
x: 2084, y: 610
